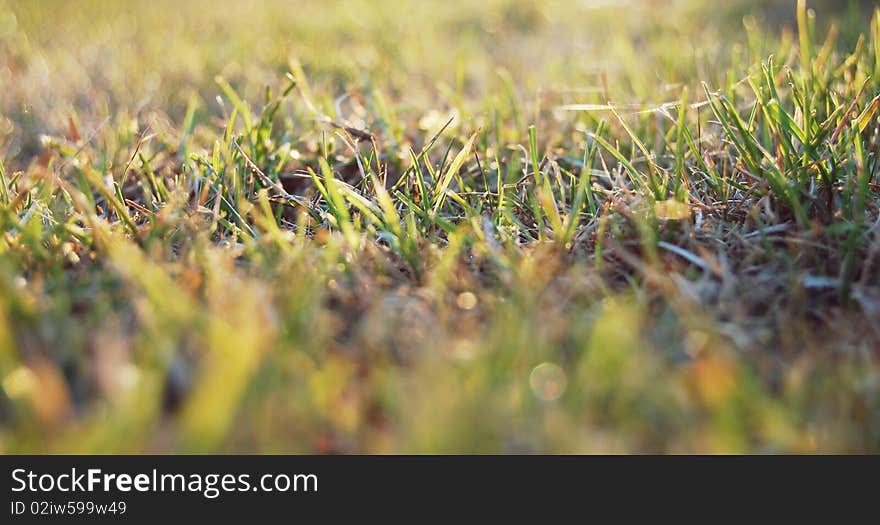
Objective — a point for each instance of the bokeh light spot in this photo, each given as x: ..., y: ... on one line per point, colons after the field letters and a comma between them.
x: 548, y: 381
x: 466, y: 301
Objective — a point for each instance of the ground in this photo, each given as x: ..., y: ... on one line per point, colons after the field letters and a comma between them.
x: 397, y: 227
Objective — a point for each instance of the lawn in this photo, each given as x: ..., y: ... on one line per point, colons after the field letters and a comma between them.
x: 439, y: 227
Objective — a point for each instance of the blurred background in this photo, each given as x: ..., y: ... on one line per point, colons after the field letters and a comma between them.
x: 94, y: 57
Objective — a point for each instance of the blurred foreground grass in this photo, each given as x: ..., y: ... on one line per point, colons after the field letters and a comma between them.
x: 502, y: 226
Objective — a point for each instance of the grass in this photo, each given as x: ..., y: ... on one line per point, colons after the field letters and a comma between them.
x: 504, y: 227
